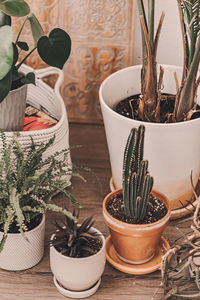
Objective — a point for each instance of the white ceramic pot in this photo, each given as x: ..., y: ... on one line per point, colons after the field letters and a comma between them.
x: 19, y: 254
x: 78, y: 274
x: 12, y: 110
x: 173, y: 150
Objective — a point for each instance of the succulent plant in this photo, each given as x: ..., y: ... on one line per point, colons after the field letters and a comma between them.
x: 73, y: 239
x: 137, y: 182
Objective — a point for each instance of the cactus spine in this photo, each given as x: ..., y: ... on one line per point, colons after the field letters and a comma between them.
x: 137, y: 182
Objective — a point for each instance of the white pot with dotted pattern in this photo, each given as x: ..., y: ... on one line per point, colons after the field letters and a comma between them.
x: 19, y: 254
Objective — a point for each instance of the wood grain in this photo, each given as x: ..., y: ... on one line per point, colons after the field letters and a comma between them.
x: 36, y: 283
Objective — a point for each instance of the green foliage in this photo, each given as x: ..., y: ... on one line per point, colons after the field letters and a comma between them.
x: 151, y: 85
x: 137, y: 183
x: 72, y: 239
x: 28, y: 183
x: 53, y: 49
x: 15, y: 8
x: 190, y: 24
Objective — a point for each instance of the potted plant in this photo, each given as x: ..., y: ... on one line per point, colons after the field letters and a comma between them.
x: 53, y: 50
x: 181, y: 263
x: 77, y: 257
x: 136, y: 215
x: 28, y: 182
x: 171, y: 158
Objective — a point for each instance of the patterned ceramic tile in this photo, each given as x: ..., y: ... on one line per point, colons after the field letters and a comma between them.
x: 102, y: 42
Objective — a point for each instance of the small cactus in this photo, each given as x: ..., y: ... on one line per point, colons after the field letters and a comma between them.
x: 137, y: 182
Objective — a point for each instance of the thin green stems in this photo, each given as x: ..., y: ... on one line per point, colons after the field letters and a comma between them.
x: 20, y: 31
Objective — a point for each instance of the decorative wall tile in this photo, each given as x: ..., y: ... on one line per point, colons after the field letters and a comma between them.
x: 102, y: 42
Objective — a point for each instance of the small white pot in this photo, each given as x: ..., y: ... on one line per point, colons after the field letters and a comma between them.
x: 78, y: 274
x: 173, y: 150
x: 19, y: 254
x: 12, y: 110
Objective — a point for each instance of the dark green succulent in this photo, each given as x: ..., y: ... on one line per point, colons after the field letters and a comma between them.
x: 137, y: 182
x: 76, y: 240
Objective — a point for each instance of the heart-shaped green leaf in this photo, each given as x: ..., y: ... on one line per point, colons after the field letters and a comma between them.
x: 4, y: 19
x: 36, y: 28
x: 6, y: 50
x: 28, y: 78
x: 5, y: 85
x: 55, y: 49
x: 23, y: 45
x: 14, y: 8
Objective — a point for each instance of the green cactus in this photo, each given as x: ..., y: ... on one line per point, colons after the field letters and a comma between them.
x: 137, y: 182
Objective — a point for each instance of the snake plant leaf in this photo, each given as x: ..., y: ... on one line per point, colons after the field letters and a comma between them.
x: 55, y: 49
x: 4, y: 19
x: 5, y: 85
x: 14, y: 8
x: 6, y: 50
x: 36, y: 28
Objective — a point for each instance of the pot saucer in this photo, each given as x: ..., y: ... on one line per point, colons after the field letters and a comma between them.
x: 176, y: 213
x: 148, y: 267
x: 76, y: 294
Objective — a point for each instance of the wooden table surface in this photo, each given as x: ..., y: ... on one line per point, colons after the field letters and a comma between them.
x: 37, y: 283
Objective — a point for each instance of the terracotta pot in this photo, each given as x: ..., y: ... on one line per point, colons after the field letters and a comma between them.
x: 171, y: 158
x: 78, y: 274
x: 135, y: 243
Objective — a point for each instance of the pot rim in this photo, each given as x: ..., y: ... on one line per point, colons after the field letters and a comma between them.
x: 17, y: 234
x: 82, y: 258
x: 128, y: 120
x: 121, y: 224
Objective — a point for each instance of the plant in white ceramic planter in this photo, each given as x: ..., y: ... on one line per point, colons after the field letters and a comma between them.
x: 77, y: 257
x: 171, y: 158
x: 28, y: 183
x: 53, y: 50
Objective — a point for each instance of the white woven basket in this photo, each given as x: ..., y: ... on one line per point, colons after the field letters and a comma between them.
x: 43, y: 96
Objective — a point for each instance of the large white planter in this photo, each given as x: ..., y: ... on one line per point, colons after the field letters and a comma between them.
x: 173, y: 150
x: 19, y: 254
x: 78, y: 274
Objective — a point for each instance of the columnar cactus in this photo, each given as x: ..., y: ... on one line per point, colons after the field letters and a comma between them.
x: 137, y: 182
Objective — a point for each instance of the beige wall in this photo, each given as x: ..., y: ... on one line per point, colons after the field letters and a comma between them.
x: 170, y: 47
x: 102, y: 43
x: 104, y: 40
